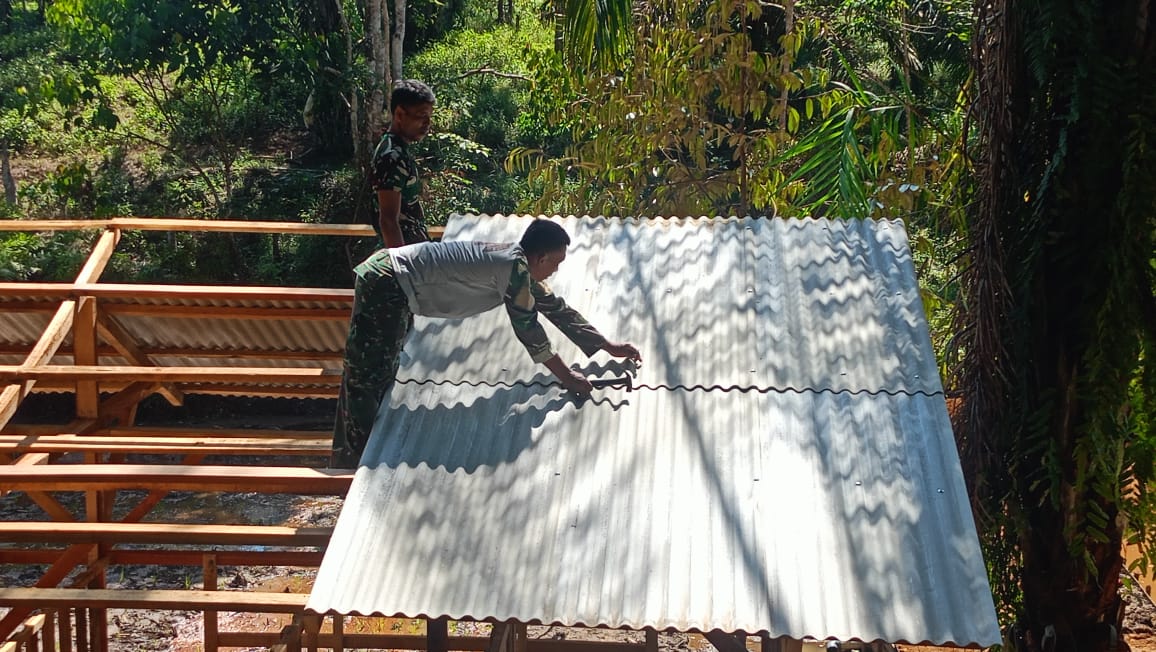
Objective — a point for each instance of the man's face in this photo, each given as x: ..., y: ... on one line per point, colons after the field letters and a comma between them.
x: 412, y: 122
x: 543, y: 265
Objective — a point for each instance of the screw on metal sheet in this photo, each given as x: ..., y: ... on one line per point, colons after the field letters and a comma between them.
x: 858, y: 483
x: 939, y: 490
x: 917, y: 375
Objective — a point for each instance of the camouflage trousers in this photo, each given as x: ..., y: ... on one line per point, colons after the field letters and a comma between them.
x: 377, y: 330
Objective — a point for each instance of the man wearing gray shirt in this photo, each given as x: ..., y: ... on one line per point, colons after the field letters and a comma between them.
x: 453, y: 280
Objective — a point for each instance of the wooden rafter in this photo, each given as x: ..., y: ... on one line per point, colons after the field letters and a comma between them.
x: 112, y: 332
x: 41, y: 353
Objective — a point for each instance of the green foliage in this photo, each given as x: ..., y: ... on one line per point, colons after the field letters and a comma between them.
x: 43, y: 257
x: 479, y: 77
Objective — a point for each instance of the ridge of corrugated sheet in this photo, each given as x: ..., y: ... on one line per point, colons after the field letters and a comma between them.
x: 803, y: 506
x: 546, y: 382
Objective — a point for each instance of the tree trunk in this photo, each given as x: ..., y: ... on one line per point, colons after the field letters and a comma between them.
x: 6, y: 175
x: 397, y: 39
x: 1055, y: 329
x: 376, y: 28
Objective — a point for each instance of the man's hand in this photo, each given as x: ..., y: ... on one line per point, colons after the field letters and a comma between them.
x: 576, y: 383
x: 623, y: 350
x: 570, y: 379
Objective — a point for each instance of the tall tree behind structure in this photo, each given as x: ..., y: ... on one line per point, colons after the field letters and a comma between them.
x: 1059, y: 327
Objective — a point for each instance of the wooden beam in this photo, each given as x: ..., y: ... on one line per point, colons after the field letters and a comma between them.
x: 137, y: 292
x: 97, y: 260
x: 45, y: 348
x: 23, y: 444
x: 265, y: 479
x: 105, y: 350
x: 192, y: 225
x: 254, y: 375
x: 163, y: 311
x: 112, y: 332
x: 84, y: 353
x: 246, y: 601
x: 287, y: 558
x: 163, y: 533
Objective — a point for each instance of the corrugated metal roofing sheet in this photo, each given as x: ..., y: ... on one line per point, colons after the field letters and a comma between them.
x: 825, y: 501
x: 805, y: 514
x: 801, y: 304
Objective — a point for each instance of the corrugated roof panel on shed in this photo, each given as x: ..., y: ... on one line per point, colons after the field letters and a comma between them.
x: 713, y: 303
x: 829, y: 503
x: 806, y: 514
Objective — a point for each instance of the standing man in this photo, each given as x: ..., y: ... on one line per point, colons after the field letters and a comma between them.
x: 452, y: 280
x: 400, y: 219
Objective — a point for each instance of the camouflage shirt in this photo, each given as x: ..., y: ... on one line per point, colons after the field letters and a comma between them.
x: 394, y: 168
x: 525, y: 298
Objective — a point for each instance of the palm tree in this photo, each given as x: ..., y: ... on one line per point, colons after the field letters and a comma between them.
x: 1058, y: 311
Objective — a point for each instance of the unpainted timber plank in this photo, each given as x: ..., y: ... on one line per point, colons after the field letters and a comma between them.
x: 23, y: 444
x: 105, y: 350
x: 84, y: 353
x: 272, y: 375
x: 155, y: 599
x: 97, y: 260
x: 203, y: 226
x: 288, y: 558
x: 216, y: 389
x: 82, y: 477
x: 135, y: 292
x: 162, y: 533
x: 111, y: 331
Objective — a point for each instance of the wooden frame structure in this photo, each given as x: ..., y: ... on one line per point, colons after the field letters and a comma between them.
x: 89, y: 338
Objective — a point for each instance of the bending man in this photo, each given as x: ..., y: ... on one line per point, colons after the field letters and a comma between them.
x: 453, y: 280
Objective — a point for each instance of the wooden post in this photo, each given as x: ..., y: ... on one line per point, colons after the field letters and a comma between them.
x: 502, y: 638
x: 311, y: 629
x: 66, y: 630
x: 521, y: 642
x: 84, y: 354
x: 338, y: 633
x: 209, y: 571
x: 651, y: 640
x: 437, y: 632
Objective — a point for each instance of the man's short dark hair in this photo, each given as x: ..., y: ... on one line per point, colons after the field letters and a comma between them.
x: 409, y: 93
x: 543, y: 236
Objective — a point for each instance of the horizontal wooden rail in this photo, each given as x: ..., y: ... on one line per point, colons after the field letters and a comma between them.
x: 263, y: 479
x: 163, y: 533
x: 137, y: 292
x: 106, y: 351
x: 21, y: 444
x: 244, y: 375
x: 39, y: 429
x: 160, y: 599
x: 202, y: 226
x: 294, y: 558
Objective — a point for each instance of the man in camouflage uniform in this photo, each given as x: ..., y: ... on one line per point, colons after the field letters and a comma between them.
x: 396, y: 183
x: 453, y: 280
